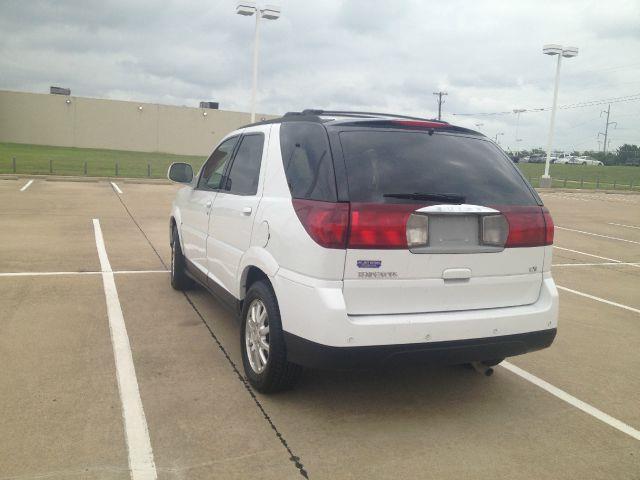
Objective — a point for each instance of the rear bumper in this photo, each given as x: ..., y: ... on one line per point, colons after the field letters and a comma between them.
x: 315, y: 310
x: 314, y: 355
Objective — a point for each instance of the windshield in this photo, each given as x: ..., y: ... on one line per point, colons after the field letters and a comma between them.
x: 407, y: 162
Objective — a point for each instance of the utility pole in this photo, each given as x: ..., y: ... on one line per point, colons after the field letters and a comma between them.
x: 606, y: 128
x: 440, y: 102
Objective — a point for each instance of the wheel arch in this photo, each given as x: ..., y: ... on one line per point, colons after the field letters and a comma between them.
x: 256, y: 264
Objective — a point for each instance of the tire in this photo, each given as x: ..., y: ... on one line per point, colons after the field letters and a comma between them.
x: 266, y: 369
x: 179, y: 278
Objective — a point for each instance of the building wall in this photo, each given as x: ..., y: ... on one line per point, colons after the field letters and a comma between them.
x: 45, y: 119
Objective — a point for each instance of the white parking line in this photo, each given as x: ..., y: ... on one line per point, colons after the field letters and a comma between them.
x: 623, y: 225
x: 26, y: 185
x: 126, y: 272
x: 587, y: 254
x: 45, y: 274
x: 598, y: 299
x: 571, y: 400
x: 595, y: 256
x: 116, y: 188
x: 141, y: 462
x: 598, y: 235
x: 631, y: 264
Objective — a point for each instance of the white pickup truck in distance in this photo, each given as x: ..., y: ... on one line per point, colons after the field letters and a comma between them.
x: 357, y: 239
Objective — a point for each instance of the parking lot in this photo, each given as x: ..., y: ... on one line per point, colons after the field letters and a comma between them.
x: 571, y: 411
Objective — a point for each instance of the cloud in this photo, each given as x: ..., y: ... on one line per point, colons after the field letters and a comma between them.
x: 366, y: 55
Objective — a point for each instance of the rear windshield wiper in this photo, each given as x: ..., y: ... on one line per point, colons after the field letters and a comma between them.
x: 438, y: 197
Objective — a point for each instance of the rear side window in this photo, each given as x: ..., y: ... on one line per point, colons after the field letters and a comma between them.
x: 245, y: 170
x: 395, y: 162
x: 307, y: 161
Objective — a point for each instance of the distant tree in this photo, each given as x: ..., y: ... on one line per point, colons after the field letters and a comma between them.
x: 627, y: 152
x: 608, y: 158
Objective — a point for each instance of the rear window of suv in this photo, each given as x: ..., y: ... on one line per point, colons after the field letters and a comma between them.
x: 382, y: 162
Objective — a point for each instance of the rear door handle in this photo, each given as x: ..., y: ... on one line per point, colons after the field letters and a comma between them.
x: 247, y: 211
x: 456, y: 274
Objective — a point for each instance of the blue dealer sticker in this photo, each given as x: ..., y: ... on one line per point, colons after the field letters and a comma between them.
x: 369, y: 263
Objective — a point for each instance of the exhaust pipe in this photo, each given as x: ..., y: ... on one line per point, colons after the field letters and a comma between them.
x: 482, y: 369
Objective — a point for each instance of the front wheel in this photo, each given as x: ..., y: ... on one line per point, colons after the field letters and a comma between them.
x: 179, y: 278
x: 262, y: 342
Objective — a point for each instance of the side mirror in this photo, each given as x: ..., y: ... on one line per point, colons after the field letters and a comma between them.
x: 180, y: 173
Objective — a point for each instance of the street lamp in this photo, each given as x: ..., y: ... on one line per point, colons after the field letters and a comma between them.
x: 560, y: 51
x: 518, y: 111
x: 269, y: 12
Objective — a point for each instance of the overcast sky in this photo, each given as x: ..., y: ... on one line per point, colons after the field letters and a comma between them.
x: 350, y: 54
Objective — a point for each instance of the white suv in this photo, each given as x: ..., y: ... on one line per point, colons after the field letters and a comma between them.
x: 354, y: 239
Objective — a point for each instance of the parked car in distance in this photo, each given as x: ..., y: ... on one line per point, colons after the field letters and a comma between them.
x: 586, y: 161
x: 537, y: 158
x: 633, y: 162
x: 360, y: 239
x: 563, y: 158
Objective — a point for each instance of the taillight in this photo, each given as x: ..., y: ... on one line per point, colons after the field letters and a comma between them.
x: 528, y: 226
x: 325, y: 222
x: 396, y: 226
x: 549, y: 227
x: 380, y: 226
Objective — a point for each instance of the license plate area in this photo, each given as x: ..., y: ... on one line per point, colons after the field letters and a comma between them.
x: 454, y: 233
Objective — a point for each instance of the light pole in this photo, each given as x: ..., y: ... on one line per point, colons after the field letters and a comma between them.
x: 269, y: 12
x: 518, y: 111
x: 560, y: 51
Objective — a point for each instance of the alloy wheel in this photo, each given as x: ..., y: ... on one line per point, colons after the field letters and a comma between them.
x: 256, y: 335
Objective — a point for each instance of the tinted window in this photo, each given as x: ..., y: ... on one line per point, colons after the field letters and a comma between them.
x: 245, y: 170
x: 380, y: 162
x: 214, y: 168
x: 307, y: 161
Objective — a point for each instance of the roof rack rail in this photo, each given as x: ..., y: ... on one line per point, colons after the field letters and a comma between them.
x: 347, y: 113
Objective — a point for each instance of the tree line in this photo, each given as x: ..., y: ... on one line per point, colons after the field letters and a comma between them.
x: 627, y: 154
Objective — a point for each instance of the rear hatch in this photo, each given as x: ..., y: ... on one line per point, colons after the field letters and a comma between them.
x: 438, y: 221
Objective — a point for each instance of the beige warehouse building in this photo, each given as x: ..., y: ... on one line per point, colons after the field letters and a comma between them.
x: 68, y: 121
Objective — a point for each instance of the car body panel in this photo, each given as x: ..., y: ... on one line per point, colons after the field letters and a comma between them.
x: 407, y: 282
x: 195, y: 208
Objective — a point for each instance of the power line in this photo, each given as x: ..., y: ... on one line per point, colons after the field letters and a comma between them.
x: 590, y: 103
